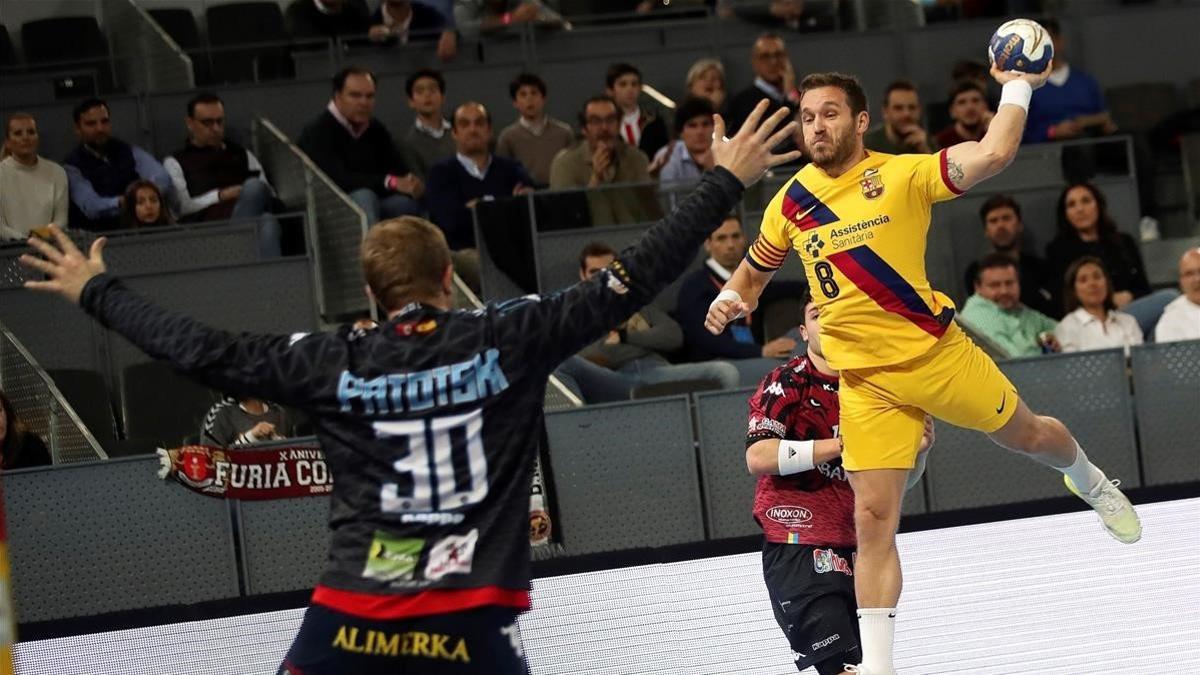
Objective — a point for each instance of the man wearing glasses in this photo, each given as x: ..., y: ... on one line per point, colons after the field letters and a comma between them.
x: 217, y: 179
x: 774, y: 78
x: 602, y: 159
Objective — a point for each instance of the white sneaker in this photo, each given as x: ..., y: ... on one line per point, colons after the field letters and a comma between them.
x: 1114, y: 509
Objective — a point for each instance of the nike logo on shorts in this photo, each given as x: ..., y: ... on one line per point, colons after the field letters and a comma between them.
x: 1002, y: 400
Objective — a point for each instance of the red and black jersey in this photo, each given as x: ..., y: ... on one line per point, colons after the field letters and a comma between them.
x: 796, y: 402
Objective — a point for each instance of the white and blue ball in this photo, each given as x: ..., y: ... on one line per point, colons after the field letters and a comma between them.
x: 1021, y: 45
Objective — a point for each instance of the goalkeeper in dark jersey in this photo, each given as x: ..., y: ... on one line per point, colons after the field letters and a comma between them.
x: 805, y: 506
x: 428, y: 422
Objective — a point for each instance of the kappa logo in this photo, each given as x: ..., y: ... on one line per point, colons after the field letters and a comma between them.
x: 814, y: 245
x: 775, y: 388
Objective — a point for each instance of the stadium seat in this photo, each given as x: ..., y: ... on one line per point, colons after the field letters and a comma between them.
x: 248, y: 23
x: 8, y: 55
x: 180, y: 24
x: 87, y: 392
x: 161, y: 405
x: 1194, y: 92
x: 129, y: 447
x: 781, y: 316
x: 1190, y: 143
x: 67, y: 43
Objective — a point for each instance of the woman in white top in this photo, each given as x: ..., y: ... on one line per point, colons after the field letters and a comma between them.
x: 33, y: 190
x: 1092, y: 320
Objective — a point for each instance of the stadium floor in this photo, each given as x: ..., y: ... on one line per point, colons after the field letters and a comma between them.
x: 1052, y: 595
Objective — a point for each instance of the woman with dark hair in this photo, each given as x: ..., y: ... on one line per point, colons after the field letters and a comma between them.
x: 1086, y: 229
x: 144, y: 206
x: 19, y: 448
x: 1092, y: 320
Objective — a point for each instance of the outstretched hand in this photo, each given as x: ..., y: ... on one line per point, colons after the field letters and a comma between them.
x: 748, y: 154
x: 65, y: 265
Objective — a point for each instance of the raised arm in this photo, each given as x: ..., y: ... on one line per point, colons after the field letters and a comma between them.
x: 565, y: 322
x: 972, y: 162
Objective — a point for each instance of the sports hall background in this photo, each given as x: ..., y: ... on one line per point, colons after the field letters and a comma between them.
x: 652, y: 564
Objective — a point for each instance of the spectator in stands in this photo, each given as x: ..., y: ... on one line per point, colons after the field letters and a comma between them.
x: 535, y: 138
x: 358, y: 154
x: 603, y: 158
x: 231, y: 423
x: 996, y: 311
x: 774, y: 79
x: 33, y: 189
x: 217, y: 179
x: 1093, y: 320
x: 706, y: 79
x: 315, y: 19
x: 1070, y: 104
x: 428, y: 141
x: 969, y: 112
x: 1181, y: 319
x: 457, y: 184
x: 144, y: 206
x: 398, y: 21
x: 19, y: 447
x: 484, y: 16
x: 977, y: 71
x: 901, y: 131
x: 743, y: 342
x: 640, y: 128
x: 690, y: 155
x: 101, y: 167
x: 1004, y: 230
x: 634, y: 354
x: 1086, y: 229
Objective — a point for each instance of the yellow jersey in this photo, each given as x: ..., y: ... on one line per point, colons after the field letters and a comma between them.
x: 861, y: 237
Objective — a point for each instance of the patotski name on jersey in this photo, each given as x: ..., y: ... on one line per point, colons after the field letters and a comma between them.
x: 457, y: 383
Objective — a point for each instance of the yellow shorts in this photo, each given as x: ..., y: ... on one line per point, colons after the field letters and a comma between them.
x: 883, y: 409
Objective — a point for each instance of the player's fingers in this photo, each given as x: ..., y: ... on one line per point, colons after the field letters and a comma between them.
x: 45, y: 249
x: 37, y: 264
x: 751, y: 123
x: 96, y: 253
x: 718, y: 128
x: 771, y: 124
x: 783, y: 134
x: 64, y: 242
x: 786, y: 157
x: 51, y: 286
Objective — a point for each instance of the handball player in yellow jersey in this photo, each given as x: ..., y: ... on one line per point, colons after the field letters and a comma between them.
x: 858, y: 221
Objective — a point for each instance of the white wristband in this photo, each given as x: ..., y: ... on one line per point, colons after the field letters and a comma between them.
x: 1016, y: 92
x: 795, y: 456
x: 726, y: 294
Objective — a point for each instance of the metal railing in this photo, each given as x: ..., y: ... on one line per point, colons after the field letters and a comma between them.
x: 41, y: 406
x: 147, y: 59
x: 336, y: 225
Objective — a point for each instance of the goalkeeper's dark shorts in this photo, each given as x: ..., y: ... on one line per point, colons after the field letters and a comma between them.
x: 812, y: 594
x: 473, y: 642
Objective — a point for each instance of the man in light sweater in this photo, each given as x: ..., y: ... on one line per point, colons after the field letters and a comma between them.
x: 995, y: 310
x: 632, y: 355
x: 1181, y: 319
x: 33, y: 190
x: 535, y: 138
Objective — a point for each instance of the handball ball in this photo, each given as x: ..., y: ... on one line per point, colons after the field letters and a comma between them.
x: 1021, y: 45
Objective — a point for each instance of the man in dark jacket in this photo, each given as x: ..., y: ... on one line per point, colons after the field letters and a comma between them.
x: 358, y: 154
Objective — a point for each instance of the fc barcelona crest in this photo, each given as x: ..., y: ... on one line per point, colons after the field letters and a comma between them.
x: 872, y: 184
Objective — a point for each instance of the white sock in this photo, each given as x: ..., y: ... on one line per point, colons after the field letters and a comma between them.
x: 1085, y: 475
x: 878, y: 630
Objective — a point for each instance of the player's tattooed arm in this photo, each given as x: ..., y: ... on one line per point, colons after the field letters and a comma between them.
x: 954, y: 171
